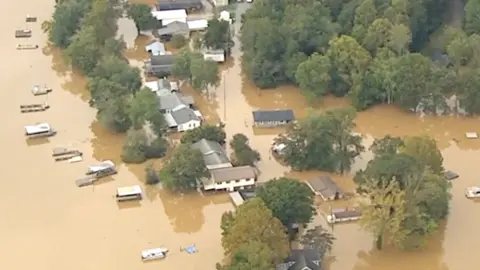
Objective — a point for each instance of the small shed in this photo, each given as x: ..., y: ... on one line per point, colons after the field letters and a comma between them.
x: 324, y: 187
x: 155, y: 48
x: 272, y: 118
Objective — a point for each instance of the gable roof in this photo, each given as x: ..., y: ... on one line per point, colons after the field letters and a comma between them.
x: 213, y: 153
x: 179, y: 4
x: 232, y: 173
x: 273, y: 115
x: 169, y: 101
x: 184, y: 115
x: 325, y: 186
x: 302, y: 259
x: 172, y: 28
x: 160, y: 64
x: 155, y: 47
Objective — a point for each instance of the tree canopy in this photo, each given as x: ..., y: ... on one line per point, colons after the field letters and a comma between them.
x: 217, y: 35
x: 184, y: 170
x: 253, y: 225
x: 290, y: 201
x: 141, y: 14
x: 243, y: 154
x: 406, y: 191
x: 86, y: 31
x: 368, y: 50
x: 206, y: 131
x: 193, y: 68
x: 324, y: 142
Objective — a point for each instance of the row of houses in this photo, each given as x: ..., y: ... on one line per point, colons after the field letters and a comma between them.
x: 178, y: 110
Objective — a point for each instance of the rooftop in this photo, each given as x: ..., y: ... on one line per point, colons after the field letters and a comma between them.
x: 122, y: 191
x: 169, y: 14
x: 184, y: 115
x: 162, y: 60
x: 232, y: 173
x: 302, y: 259
x: 155, y: 47
x: 174, y: 100
x: 325, y: 186
x: 273, y: 115
x: 213, y: 153
x: 174, y: 28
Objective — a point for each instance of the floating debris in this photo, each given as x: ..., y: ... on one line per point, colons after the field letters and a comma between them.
x: 23, y: 33
x: 27, y: 47
x: 190, y: 249
x: 449, y: 175
x: 28, y: 108
x: 471, y: 135
x: 29, y: 18
x: 38, y: 90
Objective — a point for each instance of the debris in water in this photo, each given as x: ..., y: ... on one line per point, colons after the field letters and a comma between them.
x: 190, y: 249
x: 449, y: 175
x: 471, y: 135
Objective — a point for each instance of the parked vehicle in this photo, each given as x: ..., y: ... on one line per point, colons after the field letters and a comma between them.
x: 473, y: 192
x: 154, y: 254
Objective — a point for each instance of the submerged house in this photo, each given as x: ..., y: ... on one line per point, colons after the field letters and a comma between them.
x: 180, y: 4
x: 302, y: 259
x: 159, y: 65
x: 324, y: 187
x: 272, y: 118
x: 183, y: 118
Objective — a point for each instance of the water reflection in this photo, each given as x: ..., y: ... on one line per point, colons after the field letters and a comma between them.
x: 58, y: 63
x: 106, y: 145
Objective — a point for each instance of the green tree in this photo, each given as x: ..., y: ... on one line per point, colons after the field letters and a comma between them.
x: 400, y: 39
x: 346, y: 145
x: 319, y: 239
x: 251, y: 255
x: 217, y: 35
x: 459, y: 50
x: 290, y: 201
x: 349, y: 61
x: 114, y: 115
x: 313, y: 75
x: 243, y: 154
x: 145, y: 108
x: 378, y: 35
x: 181, y: 65
x: 65, y: 22
x: 254, y: 222
x: 472, y: 20
x: 468, y: 94
x: 119, y: 71
x: 184, y: 170
x: 204, y: 73
x: 425, y: 149
x: 383, y: 215
x: 208, y: 132
x: 134, y: 146
x: 84, y: 51
x: 365, y: 14
x: 141, y: 14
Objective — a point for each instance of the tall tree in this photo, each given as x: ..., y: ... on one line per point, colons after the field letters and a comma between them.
x: 141, y: 14
x: 383, y: 216
x: 144, y: 108
x: 217, y: 35
x: 425, y: 149
x: 83, y: 51
x: 251, y: 255
x: 204, y: 73
x: 254, y: 222
x: 181, y: 65
x: 184, y: 170
x: 318, y: 239
x: 365, y: 14
x: 472, y: 19
x: 313, y: 75
x: 290, y: 201
x: 208, y: 132
x: 243, y: 154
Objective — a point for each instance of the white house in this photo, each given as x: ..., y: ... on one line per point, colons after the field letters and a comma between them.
x: 230, y: 179
x: 169, y: 16
x: 214, y: 55
x: 183, y: 118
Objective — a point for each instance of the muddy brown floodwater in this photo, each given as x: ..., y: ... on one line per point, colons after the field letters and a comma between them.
x: 47, y: 223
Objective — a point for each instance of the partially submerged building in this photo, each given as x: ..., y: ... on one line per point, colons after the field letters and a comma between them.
x: 326, y: 188
x: 272, y: 118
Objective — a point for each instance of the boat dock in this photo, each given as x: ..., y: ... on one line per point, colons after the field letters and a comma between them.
x: 23, y: 33
x: 86, y: 181
x: 69, y: 156
x: 27, y: 47
x: 29, y: 108
x: 61, y: 151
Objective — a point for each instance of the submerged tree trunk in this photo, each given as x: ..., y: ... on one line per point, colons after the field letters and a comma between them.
x: 379, y: 242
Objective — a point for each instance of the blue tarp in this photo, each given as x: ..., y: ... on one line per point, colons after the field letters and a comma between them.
x: 191, y: 249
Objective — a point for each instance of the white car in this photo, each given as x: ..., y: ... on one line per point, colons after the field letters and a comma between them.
x: 154, y: 254
x: 473, y: 192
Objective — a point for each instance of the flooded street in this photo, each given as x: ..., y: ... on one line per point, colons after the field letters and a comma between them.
x: 48, y: 223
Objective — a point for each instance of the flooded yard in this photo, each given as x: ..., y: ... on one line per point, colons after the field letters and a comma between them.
x: 60, y: 226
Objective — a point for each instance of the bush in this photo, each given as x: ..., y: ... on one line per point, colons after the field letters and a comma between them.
x: 157, y: 148
x: 151, y: 176
x: 135, y: 146
x: 178, y: 41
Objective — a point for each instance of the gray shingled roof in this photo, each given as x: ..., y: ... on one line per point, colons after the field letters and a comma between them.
x: 213, y: 153
x: 170, y: 101
x: 273, y: 115
x: 232, y: 173
x: 160, y: 64
x: 302, y: 259
x: 174, y: 28
x: 184, y: 115
x: 325, y: 186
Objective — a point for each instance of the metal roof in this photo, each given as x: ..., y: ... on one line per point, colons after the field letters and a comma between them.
x: 232, y: 173
x: 273, y: 115
x: 169, y: 14
x: 184, y: 115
